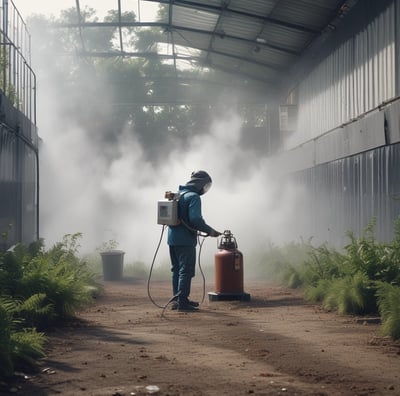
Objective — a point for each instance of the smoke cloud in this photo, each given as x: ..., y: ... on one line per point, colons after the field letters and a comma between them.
x: 108, y: 190
x: 81, y: 191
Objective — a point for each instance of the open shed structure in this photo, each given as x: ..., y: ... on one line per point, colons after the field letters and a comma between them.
x: 327, y: 73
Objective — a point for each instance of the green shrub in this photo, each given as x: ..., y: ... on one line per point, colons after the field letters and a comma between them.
x: 380, y: 261
x: 389, y: 307
x: 323, y: 263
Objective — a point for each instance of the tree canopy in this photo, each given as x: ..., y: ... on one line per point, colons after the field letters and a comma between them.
x: 164, y: 106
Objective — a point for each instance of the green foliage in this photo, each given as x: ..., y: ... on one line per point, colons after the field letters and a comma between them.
x: 317, y: 292
x: 36, y: 310
x: 389, y: 307
x: 27, y: 348
x: 61, y: 277
x: 350, y: 295
x: 38, y: 288
x: 323, y: 263
x: 20, y: 348
x: 363, y: 279
x: 6, y: 326
x: 380, y: 261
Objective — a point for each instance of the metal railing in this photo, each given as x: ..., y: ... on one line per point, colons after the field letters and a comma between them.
x: 17, y: 79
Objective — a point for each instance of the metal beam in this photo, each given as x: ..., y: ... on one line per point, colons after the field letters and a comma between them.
x: 120, y: 26
x: 149, y: 55
x: 78, y: 11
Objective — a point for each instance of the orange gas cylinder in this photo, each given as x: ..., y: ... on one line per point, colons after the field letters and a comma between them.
x: 228, y: 271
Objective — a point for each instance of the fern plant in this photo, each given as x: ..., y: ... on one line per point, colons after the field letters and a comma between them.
x: 20, y: 348
x: 27, y: 347
x: 61, y: 278
x: 37, y: 289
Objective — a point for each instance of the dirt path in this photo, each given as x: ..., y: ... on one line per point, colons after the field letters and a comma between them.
x: 276, y: 344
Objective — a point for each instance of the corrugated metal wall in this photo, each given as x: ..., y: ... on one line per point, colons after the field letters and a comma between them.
x: 345, y: 153
x: 18, y: 189
x: 19, y: 176
x: 355, y: 78
x: 345, y: 195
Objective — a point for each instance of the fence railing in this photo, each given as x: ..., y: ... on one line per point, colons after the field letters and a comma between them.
x: 17, y: 79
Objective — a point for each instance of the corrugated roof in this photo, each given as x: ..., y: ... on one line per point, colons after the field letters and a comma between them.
x: 254, y: 38
x: 257, y: 40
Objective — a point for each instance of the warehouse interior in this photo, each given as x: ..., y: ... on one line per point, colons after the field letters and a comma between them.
x: 327, y: 73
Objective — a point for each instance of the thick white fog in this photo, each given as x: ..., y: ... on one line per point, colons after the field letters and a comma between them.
x: 108, y: 191
x: 82, y: 192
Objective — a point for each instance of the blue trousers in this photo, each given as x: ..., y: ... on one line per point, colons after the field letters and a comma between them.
x: 183, y: 262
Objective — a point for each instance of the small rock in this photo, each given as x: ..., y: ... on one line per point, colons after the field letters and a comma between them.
x: 152, y: 389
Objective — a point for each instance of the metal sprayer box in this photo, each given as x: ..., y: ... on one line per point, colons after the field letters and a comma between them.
x: 167, y: 212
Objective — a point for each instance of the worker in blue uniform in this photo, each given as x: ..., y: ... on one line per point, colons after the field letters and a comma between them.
x: 182, y: 238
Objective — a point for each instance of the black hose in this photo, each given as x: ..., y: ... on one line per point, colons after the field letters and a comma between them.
x: 151, y: 269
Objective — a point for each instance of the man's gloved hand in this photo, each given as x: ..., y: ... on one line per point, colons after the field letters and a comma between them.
x: 214, y: 233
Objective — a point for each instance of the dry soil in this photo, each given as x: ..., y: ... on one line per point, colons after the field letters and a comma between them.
x: 274, y: 344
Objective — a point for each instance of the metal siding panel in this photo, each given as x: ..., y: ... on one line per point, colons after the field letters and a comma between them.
x: 345, y: 195
x: 8, y: 168
x: 9, y: 203
x: 393, y: 122
x: 28, y: 194
x: 354, y: 79
x: 302, y: 157
x: 332, y: 146
x: 396, y: 63
x: 367, y: 133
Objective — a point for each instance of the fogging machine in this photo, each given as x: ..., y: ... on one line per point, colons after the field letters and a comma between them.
x: 167, y: 209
